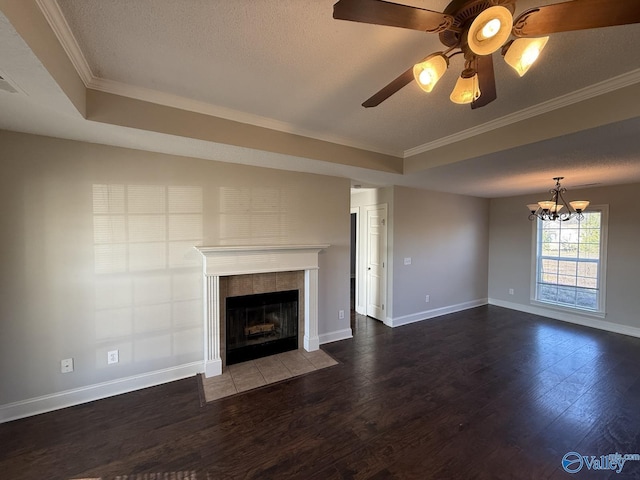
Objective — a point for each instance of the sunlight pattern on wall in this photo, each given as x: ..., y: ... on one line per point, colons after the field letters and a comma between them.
x: 257, y: 215
x: 148, y: 294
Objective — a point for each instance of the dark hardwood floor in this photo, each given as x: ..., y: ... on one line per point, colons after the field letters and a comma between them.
x: 487, y: 393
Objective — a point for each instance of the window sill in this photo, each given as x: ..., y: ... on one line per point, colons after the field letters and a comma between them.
x: 574, y: 311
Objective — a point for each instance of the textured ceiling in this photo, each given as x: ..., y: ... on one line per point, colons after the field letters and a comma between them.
x: 292, y: 62
x: 290, y: 65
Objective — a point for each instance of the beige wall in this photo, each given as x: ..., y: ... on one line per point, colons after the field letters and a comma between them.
x: 97, y: 254
x: 510, y: 255
x: 445, y: 235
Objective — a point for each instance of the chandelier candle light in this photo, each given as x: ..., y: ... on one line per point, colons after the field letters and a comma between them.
x: 552, y: 209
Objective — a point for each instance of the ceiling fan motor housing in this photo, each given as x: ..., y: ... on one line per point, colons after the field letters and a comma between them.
x: 464, y: 12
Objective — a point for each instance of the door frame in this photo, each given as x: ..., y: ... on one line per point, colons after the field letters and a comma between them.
x: 356, y: 304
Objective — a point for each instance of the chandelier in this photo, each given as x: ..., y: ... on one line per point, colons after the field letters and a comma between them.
x: 557, y: 208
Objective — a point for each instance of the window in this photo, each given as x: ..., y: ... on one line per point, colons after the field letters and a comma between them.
x: 570, y: 261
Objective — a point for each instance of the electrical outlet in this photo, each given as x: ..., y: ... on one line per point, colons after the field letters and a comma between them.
x: 427, y: 298
x: 66, y: 365
x: 511, y: 292
x: 112, y: 357
x: 341, y: 314
x: 407, y: 260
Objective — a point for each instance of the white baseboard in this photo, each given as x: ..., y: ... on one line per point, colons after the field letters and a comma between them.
x: 76, y: 396
x: 436, y: 312
x: 569, y: 317
x: 335, y: 336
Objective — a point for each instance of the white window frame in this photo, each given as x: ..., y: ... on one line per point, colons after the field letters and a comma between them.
x: 602, y: 269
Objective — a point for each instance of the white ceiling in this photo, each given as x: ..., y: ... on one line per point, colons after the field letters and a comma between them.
x: 290, y: 66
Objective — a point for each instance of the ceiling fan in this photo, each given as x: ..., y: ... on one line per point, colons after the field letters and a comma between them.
x: 478, y: 28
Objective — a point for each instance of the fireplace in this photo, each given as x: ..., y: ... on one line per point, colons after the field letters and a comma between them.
x: 222, y: 263
x: 260, y: 325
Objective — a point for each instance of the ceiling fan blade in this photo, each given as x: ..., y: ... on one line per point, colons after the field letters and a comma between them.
x: 379, y: 12
x: 486, y: 81
x: 576, y: 15
x: 390, y: 89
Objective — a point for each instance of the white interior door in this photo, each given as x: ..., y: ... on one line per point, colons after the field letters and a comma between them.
x: 376, y: 274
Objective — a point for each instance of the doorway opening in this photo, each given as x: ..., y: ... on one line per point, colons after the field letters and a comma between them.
x: 368, y: 280
x: 354, y: 267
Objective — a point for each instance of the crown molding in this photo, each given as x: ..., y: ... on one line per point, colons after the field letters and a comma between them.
x: 606, y: 86
x: 54, y: 16
x: 60, y: 27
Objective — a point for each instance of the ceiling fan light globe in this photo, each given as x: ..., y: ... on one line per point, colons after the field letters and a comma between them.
x: 466, y: 90
x: 430, y: 70
x: 490, y: 30
x: 529, y: 56
x: 523, y: 53
x: 426, y: 77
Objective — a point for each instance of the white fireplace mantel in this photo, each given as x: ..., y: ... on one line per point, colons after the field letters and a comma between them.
x: 220, y: 261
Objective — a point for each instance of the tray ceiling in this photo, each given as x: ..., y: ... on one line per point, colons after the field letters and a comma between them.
x: 290, y: 67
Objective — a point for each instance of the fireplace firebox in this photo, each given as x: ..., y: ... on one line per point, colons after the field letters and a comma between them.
x: 260, y: 325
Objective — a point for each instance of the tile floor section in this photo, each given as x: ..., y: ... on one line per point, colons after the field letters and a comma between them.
x: 263, y: 371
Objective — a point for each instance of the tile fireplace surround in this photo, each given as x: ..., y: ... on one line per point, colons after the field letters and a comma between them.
x: 222, y: 261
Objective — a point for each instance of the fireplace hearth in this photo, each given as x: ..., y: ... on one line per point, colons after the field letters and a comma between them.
x: 260, y: 325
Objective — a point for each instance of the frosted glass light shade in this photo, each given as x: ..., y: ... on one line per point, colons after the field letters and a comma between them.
x: 547, y: 205
x: 532, y: 207
x: 466, y: 90
x: 490, y: 30
x: 579, y: 205
x: 430, y: 70
x: 523, y: 52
